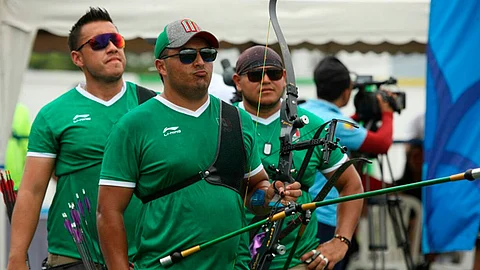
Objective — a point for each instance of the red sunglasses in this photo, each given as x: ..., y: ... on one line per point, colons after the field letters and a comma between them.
x: 101, y: 41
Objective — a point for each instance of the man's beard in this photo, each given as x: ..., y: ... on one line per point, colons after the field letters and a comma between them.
x: 263, y: 106
x: 197, y: 92
x: 105, y: 79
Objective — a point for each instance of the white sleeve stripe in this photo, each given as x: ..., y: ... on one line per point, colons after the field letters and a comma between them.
x: 114, y: 183
x: 37, y: 154
x: 337, y: 165
x: 254, y: 172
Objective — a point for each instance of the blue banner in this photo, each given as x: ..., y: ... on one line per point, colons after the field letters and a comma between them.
x: 452, y: 130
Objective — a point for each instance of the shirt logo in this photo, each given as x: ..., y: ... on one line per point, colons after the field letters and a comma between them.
x: 81, y: 117
x: 347, y: 126
x: 170, y: 131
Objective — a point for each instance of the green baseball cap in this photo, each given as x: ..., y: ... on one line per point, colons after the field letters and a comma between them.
x: 177, y: 33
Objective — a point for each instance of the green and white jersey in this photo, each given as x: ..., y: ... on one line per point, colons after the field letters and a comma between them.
x: 160, y: 144
x: 268, y: 132
x: 73, y: 129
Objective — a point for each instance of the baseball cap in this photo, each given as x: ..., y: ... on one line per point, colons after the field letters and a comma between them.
x: 177, y: 33
x: 253, y: 57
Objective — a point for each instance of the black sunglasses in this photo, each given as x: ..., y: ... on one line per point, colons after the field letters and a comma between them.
x: 100, y: 42
x: 257, y: 75
x: 188, y: 56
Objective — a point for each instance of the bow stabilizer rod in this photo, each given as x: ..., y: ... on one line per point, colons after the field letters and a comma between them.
x: 471, y: 174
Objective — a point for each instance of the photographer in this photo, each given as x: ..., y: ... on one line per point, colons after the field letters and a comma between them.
x: 334, y: 88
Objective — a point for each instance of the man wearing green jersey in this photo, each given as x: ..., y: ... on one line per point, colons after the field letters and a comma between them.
x: 68, y: 136
x: 248, y: 79
x: 186, y: 155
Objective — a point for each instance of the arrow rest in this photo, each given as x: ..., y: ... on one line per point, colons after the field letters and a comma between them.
x: 271, y: 246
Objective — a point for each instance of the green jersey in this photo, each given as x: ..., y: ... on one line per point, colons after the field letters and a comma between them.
x: 160, y: 144
x: 73, y: 129
x: 268, y: 132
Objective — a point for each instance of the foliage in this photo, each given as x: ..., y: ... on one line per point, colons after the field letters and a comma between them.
x: 62, y: 61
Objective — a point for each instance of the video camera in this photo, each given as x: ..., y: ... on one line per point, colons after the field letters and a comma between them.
x: 366, y: 103
x: 227, y: 75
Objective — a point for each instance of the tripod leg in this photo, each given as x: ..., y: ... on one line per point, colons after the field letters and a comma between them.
x: 377, y: 228
x: 400, y: 231
x: 383, y: 213
x: 399, y: 227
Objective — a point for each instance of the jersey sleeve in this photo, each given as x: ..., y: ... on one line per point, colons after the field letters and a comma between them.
x: 120, y: 161
x: 42, y: 141
x: 254, y: 164
x: 351, y: 137
x: 380, y: 141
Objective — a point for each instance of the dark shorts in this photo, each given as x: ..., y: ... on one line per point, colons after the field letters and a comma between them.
x: 325, y: 233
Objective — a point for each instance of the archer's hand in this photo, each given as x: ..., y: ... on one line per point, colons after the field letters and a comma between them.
x: 291, y: 194
x: 330, y: 253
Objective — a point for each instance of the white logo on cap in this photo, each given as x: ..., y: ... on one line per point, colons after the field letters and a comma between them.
x: 190, y: 26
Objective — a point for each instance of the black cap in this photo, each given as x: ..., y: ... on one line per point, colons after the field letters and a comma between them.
x: 254, y: 57
x: 331, y: 78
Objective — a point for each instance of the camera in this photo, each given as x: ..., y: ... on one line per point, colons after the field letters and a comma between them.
x: 366, y: 103
x: 227, y: 75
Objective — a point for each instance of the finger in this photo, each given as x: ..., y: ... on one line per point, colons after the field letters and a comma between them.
x: 307, y: 256
x: 293, y: 193
x: 271, y: 191
x: 316, y: 264
x: 278, y: 185
x: 294, y: 189
x: 294, y: 185
x: 313, y: 264
x: 323, y: 263
x: 320, y: 265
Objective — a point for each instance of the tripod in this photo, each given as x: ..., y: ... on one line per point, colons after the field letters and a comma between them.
x: 386, y: 205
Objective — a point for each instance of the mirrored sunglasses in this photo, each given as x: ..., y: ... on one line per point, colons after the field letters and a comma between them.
x: 257, y: 75
x: 101, y: 41
x: 188, y: 56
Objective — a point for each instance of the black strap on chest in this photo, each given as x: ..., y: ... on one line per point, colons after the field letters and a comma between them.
x: 144, y: 94
x: 229, y: 165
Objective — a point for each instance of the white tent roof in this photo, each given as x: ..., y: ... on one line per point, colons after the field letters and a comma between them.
x: 240, y: 21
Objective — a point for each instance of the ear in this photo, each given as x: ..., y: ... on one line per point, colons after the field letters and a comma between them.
x: 236, y: 80
x: 160, y: 66
x: 347, y: 93
x: 77, y: 58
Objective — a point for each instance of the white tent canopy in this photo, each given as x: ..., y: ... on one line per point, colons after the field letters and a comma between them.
x: 234, y: 21
x: 240, y: 21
